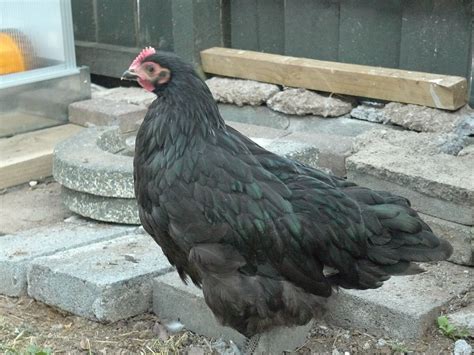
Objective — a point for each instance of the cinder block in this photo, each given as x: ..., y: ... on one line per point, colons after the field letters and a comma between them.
x: 460, y: 236
x: 17, y: 251
x: 105, y: 112
x: 173, y: 300
x: 405, y: 306
x: 106, y: 281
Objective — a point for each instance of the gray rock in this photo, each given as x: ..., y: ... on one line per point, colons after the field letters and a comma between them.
x: 241, y: 92
x: 465, y: 126
x: 449, y: 143
x: 462, y: 347
x: 425, y: 119
x: 105, y: 281
x: 134, y: 96
x: 464, y: 319
x: 460, y: 236
x: 406, y: 163
x: 17, y: 251
x: 305, y: 102
x: 469, y: 150
x: 405, y: 306
x: 369, y: 113
x: 101, y: 208
x: 173, y: 299
x: 105, y: 112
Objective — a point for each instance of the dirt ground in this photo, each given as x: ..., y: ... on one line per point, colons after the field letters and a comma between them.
x: 31, y: 327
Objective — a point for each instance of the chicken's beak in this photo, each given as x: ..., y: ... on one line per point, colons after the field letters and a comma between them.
x: 129, y: 74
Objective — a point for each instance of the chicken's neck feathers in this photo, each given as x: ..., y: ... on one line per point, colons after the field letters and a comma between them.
x: 184, y: 116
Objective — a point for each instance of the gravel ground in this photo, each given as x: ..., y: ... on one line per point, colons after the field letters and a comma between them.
x: 27, y: 325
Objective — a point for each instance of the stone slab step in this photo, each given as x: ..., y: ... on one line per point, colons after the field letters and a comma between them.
x: 173, y: 300
x: 105, y: 281
x: 404, y: 308
x: 18, y: 251
x: 408, y: 164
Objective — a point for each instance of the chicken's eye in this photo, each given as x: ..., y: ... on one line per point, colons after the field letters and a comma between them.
x: 150, y: 68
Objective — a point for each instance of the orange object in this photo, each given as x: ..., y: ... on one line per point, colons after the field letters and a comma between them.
x: 11, y: 58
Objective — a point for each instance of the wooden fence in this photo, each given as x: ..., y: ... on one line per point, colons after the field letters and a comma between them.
x: 424, y: 35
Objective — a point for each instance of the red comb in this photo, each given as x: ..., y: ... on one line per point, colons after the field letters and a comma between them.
x: 143, y: 54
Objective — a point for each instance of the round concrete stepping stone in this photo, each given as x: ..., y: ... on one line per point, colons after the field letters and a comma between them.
x: 107, y: 209
x: 95, y: 168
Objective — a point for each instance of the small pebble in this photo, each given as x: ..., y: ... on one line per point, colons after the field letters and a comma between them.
x: 381, y: 343
x: 174, y: 326
x: 366, y: 346
x: 33, y: 183
x: 461, y: 347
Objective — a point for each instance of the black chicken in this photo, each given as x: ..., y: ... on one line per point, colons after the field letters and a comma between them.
x: 253, y: 229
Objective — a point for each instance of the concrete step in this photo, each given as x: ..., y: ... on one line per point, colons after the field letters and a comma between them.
x: 18, y: 251
x: 105, y: 281
x: 404, y: 308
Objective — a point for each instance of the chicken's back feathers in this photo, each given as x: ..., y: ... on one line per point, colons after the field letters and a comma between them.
x: 256, y: 230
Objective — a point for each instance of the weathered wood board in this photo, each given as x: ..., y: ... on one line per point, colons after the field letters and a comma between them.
x: 435, y: 90
x: 28, y: 156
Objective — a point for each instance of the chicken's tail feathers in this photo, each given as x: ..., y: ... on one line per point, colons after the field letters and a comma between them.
x: 397, y: 237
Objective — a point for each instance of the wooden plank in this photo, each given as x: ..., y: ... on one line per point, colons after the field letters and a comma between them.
x: 28, y: 156
x: 440, y: 91
x: 436, y: 36
x: 304, y: 20
x: 369, y: 32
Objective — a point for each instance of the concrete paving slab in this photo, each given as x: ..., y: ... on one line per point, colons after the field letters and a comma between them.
x: 332, y: 149
x: 19, y: 250
x: 405, y: 306
x: 173, y: 300
x: 460, y: 236
x: 105, y: 281
x: 406, y: 163
x: 105, y: 112
x: 134, y: 96
x: 255, y: 115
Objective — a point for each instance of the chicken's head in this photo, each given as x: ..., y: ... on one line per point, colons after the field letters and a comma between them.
x: 147, y: 70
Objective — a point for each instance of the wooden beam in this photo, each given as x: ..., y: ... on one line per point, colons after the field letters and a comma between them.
x: 440, y: 91
x: 28, y: 156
